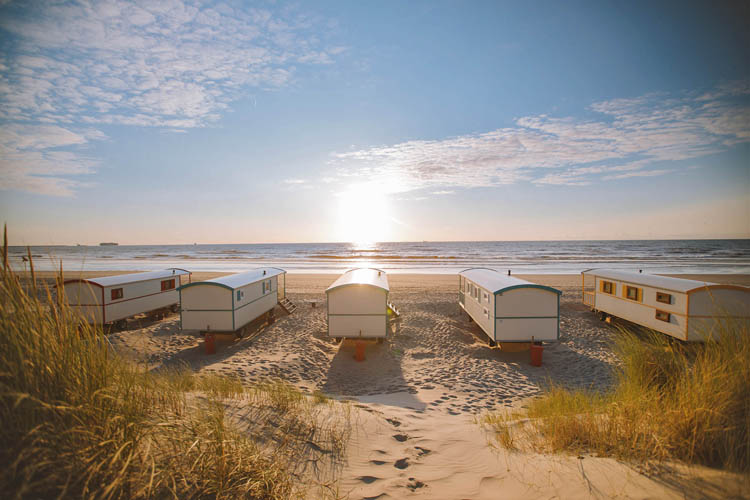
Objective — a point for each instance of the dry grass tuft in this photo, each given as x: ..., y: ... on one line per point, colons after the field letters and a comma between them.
x: 672, y: 400
x: 78, y: 421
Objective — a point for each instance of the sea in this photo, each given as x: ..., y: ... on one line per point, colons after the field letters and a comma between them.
x: 428, y: 257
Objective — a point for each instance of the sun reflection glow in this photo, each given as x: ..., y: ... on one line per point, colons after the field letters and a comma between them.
x: 363, y: 215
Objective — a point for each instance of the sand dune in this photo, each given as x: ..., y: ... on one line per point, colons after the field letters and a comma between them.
x: 419, y: 392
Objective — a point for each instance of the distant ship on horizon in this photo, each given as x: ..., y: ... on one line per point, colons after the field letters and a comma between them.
x: 108, y: 244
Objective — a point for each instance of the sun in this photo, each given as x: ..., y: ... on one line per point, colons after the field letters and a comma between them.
x: 363, y: 214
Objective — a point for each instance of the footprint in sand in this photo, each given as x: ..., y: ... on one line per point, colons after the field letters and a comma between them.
x: 393, y: 422
x: 422, y: 451
x: 400, y: 437
x: 377, y: 462
x: 401, y: 463
x: 415, y: 484
x: 368, y: 479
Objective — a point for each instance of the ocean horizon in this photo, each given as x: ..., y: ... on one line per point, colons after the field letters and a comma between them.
x: 727, y: 256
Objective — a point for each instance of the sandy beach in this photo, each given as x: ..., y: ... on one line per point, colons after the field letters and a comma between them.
x: 419, y: 394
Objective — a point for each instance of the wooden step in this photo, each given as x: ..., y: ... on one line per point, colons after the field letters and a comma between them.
x: 288, y: 305
x: 393, y: 308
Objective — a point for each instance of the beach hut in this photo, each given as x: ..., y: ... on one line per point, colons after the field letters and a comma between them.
x: 358, y: 304
x: 229, y: 303
x: 685, y: 309
x: 111, y: 299
x: 509, y: 309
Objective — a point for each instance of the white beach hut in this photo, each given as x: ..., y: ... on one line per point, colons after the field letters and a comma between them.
x: 509, y: 309
x: 685, y: 309
x: 229, y: 303
x: 358, y: 304
x: 111, y: 299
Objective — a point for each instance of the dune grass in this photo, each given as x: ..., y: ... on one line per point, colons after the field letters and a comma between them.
x: 78, y: 421
x: 671, y: 400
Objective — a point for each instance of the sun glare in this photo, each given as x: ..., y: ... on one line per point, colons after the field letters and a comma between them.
x: 363, y: 214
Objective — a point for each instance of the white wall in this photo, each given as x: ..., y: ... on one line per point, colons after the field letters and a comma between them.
x: 357, y: 326
x: 204, y: 297
x: 644, y: 313
x: 253, y: 301
x: 130, y: 307
x: 712, y: 309
x: 480, y: 308
x: 523, y: 313
x: 357, y: 311
x: 206, y: 307
x: 217, y: 321
x: 209, y: 307
x: 84, y: 298
x: 139, y: 297
x: 523, y: 329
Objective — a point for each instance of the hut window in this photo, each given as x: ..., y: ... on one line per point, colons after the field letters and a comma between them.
x: 116, y: 293
x: 487, y: 298
x: 608, y: 287
x: 633, y: 293
x: 239, y: 295
x: 663, y: 315
x: 664, y: 298
x: 167, y: 284
x: 486, y: 313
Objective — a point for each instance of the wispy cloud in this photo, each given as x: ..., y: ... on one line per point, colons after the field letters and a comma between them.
x: 173, y: 64
x: 629, y: 139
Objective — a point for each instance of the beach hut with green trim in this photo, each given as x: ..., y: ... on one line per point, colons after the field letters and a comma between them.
x: 229, y: 303
x: 112, y: 299
x: 357, y: 304
x: 509, y: 309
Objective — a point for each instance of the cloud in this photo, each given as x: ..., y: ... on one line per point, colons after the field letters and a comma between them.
x: 629, y: 136
x: 32, y: 158
x: 174, y: 64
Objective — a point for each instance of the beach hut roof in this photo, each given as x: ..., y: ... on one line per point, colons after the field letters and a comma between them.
x: 234, y: 281
x: 497, y: 282
x: 362, y: 276
x: 124, y: 279
x: 662, y: 282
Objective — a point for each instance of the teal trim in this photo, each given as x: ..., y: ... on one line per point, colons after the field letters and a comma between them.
x: 196, y: 283
x: 329, y: 314
x: 548, y: 288
x: 385, y: 332
x: 526, y: 317
x: 356, y: 284
x: 233, y: 327
x: 494, y: 318
x: 558, y: 317
x: 180, y: 295
x: 209, y: 310
x: 252, y: 301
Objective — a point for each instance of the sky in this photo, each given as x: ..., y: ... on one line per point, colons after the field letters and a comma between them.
x: 241, y: 122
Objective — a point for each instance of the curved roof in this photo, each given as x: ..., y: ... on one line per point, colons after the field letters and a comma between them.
x: 497, y: 282
x: 662, y: 282
x: 123, y: 279
x: 362, y: 276
x: 234, y: 281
